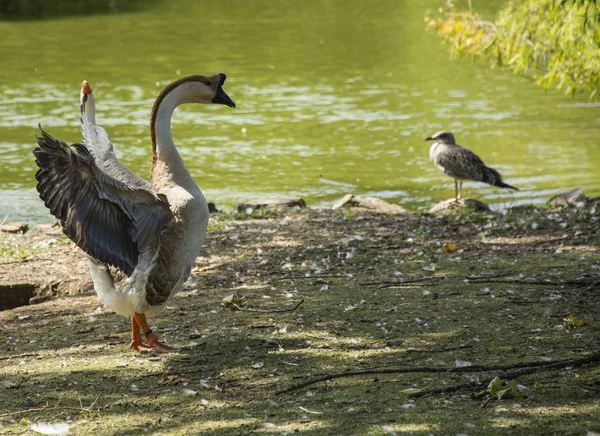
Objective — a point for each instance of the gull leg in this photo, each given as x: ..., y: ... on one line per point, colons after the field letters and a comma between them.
x: 153, y: 341
x: 456, y: 195
x: 459, y: 190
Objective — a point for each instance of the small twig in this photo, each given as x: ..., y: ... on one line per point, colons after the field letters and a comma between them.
x: 315, y: 276
x: 251, y: 309
x: 57, y: 406
x: 490, y: 276
x: 533, y: 282
x: 535, y: 366
x: 404, y: 282
x: 439, y: 350
x: 33, y: 257
x: 18, y: 356
x: 210, y: 267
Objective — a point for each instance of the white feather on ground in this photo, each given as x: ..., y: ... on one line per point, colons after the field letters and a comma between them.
x: 57, y: 429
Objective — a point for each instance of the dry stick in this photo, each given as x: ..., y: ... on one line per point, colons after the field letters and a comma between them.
x: 593, y: 285
x: 532, y: 282
x: 315, y: 276
x: 404, y: 282
x: 510, y: 375
x: 438, y: 350
x: 534, y: 365
x: 250, y: 309
x: 588, y: 283
x: 18, y: 356
x: 55, y: 407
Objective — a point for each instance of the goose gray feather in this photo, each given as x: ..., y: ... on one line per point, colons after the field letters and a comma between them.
x: 108, y: 219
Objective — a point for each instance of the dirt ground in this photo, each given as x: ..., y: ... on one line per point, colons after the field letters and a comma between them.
x: 404, y: 319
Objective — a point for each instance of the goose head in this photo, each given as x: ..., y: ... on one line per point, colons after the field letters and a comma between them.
x: 88, y: 104
x: 200, y: 89
x: 444, y: 137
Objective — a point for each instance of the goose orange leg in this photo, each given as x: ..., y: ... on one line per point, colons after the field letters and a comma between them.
x: 138, y: 322
x: 136, y: 338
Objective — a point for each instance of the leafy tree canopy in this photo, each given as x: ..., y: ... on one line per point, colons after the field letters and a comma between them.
x: 555, y: 42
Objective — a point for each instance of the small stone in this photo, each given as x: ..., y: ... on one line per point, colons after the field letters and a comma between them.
x: 212, y: 208
x: 568, y: 198
x: 270, y: 203
x: 343, y: 202
x: 453, y: 204
x: 16, y: 227
x: 371, y: 203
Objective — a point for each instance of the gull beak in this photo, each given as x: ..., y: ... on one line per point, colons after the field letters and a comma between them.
x: 220, y: 96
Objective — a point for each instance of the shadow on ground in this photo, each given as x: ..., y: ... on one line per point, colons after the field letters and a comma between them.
x: 380, y: 292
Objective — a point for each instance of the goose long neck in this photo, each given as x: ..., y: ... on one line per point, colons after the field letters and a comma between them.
x: 90, y: 110
x: 89, y: 107
x: 167, y: 165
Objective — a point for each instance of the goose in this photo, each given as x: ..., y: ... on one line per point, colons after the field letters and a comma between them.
x: 141, y: 238
x: 460, y: 163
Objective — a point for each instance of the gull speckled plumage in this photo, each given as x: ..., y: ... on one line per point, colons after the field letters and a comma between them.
x: 461, y: 163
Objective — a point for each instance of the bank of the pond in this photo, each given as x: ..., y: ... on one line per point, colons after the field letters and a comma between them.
x: 380, y: 292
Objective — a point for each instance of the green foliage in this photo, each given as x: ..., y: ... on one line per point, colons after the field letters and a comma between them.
x: 16, y: 249
x: 503, y: 390
x: 220, y: 221
x: 555, y: 42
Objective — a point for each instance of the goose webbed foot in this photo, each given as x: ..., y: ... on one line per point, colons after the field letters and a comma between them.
x: 138, y: 322
x: 155, y: 344
x: 140, y: 346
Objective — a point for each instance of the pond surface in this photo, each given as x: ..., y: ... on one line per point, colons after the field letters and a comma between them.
x: 332, y: 97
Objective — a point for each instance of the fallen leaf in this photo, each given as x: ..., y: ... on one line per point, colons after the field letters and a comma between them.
x: 567, y: 391
x: 410, y: 391
x: 503, y: 390
x: 312, y: 412
x: 570, y: 322
x: 172, y: 380
x: 233, y: 302
x: 448, y: 248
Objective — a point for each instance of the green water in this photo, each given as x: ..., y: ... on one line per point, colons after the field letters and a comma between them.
x: 333, y: 97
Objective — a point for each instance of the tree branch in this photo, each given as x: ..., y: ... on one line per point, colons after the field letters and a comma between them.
x: 531, y: 367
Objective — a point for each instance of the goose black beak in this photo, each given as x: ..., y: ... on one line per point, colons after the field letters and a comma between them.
x: 429, y: 138
x: 220, y: 96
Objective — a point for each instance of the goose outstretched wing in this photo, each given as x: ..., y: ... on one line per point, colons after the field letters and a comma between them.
x: 110, y: 219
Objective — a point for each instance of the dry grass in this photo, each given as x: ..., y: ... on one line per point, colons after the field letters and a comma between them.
x: 355, y: 315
